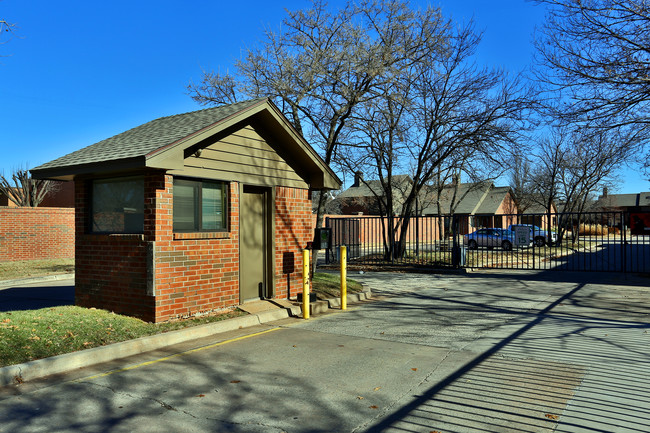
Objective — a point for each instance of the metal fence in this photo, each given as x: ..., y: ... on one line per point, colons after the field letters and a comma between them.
x: 595, y: 241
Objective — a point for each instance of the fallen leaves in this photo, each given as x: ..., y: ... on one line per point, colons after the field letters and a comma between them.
x: 359, y: 397
x: 414, y: 369
x: 235, y: 381
x: 553, y: 417
x: 377, y: 388
x: 373, y: 407
x: 201, y: 395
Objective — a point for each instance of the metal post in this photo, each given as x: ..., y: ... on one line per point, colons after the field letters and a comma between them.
x: 305, y: 284
x: 344, y: 277
x: 624, y: 241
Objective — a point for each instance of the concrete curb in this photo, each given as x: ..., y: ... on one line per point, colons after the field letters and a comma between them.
x: 19, y: 282
x: 353, y: 297
x: 320, y: 307
x: 13, y: 374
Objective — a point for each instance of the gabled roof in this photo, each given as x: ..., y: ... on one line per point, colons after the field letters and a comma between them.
x: 624, y: 200
x: 370, y: 188
x: 479, y: 198
x: 468, y: 197
x: 161, y: 143
x: 493, y: 200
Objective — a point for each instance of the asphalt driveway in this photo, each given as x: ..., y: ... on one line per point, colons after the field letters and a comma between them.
x: 488, y: 352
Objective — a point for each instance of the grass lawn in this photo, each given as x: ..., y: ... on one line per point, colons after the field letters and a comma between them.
x: 27, y: 335
x: 329, y: 285
x: 35, y: 268
x: 33, y: 334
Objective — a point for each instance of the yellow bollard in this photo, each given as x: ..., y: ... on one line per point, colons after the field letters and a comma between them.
x: 344, y: 277
x: 305, y: 284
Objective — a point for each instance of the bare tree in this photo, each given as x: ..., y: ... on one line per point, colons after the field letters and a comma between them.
x: 520, y: 181
x: 596, y: 55
x: 321, y: 66
x: 443, y: 108
x: 23, y: 190
x: 572, y: 166
x: 5, y: 28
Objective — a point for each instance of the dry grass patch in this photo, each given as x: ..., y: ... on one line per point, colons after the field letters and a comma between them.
x: 35, y: 268
x: 328, y: 286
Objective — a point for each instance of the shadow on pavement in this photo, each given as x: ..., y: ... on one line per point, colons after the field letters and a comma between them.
x: 570, y: 351
x: 35, y: 297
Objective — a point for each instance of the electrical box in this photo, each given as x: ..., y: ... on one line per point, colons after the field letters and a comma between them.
x: 322, y: 238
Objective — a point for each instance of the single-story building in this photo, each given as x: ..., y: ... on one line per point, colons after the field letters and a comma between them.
x: 477, y: 205
x: 193, y: 213
x: 365, y: 197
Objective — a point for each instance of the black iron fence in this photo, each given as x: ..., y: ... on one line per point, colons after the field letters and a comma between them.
x: 595, y: 241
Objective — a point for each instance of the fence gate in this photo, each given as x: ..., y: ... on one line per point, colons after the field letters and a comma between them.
x: 594, y: 241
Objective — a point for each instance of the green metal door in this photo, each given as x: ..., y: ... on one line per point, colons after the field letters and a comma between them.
x: 252, y: 244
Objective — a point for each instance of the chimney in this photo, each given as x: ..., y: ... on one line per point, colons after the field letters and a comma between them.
x: 605, y: 192
x: 358, y: 178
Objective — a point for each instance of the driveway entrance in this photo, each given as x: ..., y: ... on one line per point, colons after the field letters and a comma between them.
x: 590, y: 242
x: 497, y: 351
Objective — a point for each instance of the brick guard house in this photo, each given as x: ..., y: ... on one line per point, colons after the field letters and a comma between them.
x: 192, y: 213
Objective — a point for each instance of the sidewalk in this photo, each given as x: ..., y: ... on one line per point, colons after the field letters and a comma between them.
x: 259, y: 312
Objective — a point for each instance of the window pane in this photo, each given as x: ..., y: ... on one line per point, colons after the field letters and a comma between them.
x: 118, y: 205
x: 213, y: 206
x: 186, y: 205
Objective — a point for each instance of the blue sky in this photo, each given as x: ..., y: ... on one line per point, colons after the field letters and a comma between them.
x: 77, y: 72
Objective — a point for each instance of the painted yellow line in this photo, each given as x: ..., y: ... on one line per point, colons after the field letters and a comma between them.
x: 176, y: 355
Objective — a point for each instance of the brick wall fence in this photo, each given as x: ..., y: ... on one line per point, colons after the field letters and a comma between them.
x: 36, y: 233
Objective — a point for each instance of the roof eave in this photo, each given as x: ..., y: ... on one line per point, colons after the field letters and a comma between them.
x: 69, y: 172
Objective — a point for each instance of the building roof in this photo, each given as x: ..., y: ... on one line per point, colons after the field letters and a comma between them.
x: 469, y: 198
x: 370, y: 188
x: 493, y: 200
x: 624, y: 200
x: 160, y: 143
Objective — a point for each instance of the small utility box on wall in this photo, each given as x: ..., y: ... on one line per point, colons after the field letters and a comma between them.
x: 322, y: 238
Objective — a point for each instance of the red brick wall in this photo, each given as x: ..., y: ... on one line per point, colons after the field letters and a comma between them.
x: 293, y: 229
x: 111, y: 270
x: 163, y: 275
x: 194, y: 272
x: 36, y: 233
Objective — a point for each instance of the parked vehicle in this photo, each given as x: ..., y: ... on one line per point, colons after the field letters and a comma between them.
x: 490, y: 238
x: 537, y: 235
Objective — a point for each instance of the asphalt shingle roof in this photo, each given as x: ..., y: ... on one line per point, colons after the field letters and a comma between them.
x: 468, y: 197
x: 401, y: 187
x: 146, y: 138
x: 492, y: 201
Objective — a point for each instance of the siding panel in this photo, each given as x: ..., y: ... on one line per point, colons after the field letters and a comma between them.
x: 243, y: 156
